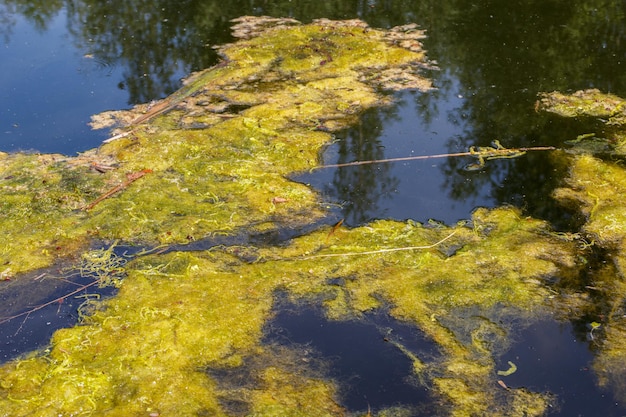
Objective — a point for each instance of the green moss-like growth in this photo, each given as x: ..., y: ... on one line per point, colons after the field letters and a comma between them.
x: 177, y: 315
x: 457, y: 301
x: 214, y: 159
x: 40, y: 195
x: 593, y: 105
x: 596, y: 188
x: 584, y: 103
x: 216, y: 153
x: 610, y: 364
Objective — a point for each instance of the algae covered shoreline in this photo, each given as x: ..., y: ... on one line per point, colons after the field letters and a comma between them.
x: 213, y: 160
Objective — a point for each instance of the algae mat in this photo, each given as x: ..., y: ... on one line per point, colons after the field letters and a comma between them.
x: 596, y: 187
x: 212, y: 160
x: 179, y: 316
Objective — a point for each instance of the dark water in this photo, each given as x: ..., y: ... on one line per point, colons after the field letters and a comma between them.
x: 29, y: 329
x: 375, y: 374
x: 548, y: 355
x: 550, y: 358
x: 62, y: 61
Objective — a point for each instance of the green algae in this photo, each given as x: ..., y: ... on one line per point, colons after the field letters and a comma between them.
x: 595, y: 187
x: 584, y: 103
x: 594, y: 105
x: 213, y: 159
x: 180, y: 314
x: 218, y: 151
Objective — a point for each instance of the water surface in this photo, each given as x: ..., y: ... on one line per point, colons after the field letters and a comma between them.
x: 63, y: 61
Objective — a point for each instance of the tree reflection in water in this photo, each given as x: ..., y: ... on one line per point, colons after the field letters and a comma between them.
x: 361, y: 187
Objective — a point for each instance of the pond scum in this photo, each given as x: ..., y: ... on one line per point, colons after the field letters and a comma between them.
x: 596, y: 186
x: 213, y: 159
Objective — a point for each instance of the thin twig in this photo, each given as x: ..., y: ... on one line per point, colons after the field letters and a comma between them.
x: 443, y: 155
x: 130, y: 179
x: 118, y: 136
x: 56, y: 300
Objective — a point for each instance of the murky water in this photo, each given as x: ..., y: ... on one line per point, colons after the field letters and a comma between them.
x: 63, y: 61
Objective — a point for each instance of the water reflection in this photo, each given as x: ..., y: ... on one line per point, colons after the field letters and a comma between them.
x: 548, y: 354
x: 155, y: 41
x: 375, y: 376
x: 152, y: 41
x: 360, y: 188
x: 502, y: 53
x: 495, y: 57
x: 492, y: 47
x: 39, y: 13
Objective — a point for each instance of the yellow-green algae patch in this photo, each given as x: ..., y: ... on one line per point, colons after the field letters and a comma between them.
x: 182, y: 314
x: 213, y: 157
x: 608, y: 109
x: 458, y: 301
x: 596, y: 188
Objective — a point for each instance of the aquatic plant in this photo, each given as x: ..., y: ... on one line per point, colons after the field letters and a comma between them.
x: 593, y: 105
x: 595, y: 187
x: 181, y: 317
x: 214, y: 159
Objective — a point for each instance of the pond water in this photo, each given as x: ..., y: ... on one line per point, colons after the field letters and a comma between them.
x: 64, y: 61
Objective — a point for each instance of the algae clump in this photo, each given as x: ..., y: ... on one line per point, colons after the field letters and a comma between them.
x: 213, y: 158
x: 182, y: 318
x: 596, y: 188
x: 594, y: 105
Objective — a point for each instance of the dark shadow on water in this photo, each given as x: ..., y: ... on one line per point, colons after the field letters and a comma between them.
x: 370, y: 371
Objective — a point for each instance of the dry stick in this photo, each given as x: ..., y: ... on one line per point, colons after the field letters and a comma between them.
x: 493, y: 153
x: 130, y: 179
x: 118, y: 136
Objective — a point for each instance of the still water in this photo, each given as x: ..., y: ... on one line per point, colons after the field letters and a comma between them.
x: 62, y: 61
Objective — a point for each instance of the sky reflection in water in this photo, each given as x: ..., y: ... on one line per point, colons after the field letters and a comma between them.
x: 60, y: 70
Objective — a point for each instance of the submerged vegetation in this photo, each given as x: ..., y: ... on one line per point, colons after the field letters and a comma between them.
x: 182, y: 316
x: 596, y: 187
x: 218, y: 153
x: 214, y: 159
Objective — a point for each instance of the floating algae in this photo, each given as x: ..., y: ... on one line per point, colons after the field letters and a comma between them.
x: 512, y: 369
x: 597, y: 188
x: 218, y: 153
x: 176, y: 315
x: 607, y: 109
x: 215, y: 154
